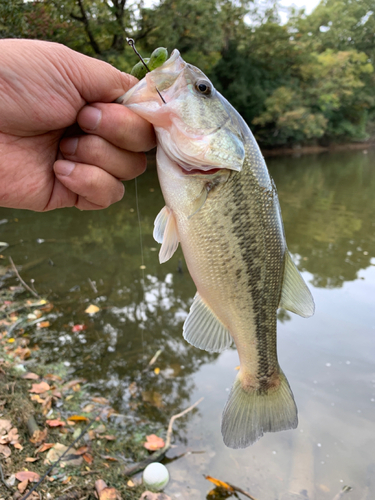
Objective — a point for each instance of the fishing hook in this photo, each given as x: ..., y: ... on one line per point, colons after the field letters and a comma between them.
x: 131, y: 42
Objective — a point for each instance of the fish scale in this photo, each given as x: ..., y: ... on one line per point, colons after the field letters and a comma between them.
x: 222, y: 207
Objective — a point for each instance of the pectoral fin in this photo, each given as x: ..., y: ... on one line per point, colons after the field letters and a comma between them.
x: 204, y: 330
x: 295, y: 295
x: 165, y: 232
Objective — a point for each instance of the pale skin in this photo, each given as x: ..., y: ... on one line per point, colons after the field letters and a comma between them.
x: 63, y: 142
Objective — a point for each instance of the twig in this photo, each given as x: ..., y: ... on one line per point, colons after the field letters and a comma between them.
x: 236, y: 488
x: 92, y: 284
x: 21, y: 280
x: 341, y: 493
x: 156, y: 457
x: 3, y: 480
x: 153, y: 360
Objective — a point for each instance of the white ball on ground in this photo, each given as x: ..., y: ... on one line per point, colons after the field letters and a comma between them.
x: 155, y: 476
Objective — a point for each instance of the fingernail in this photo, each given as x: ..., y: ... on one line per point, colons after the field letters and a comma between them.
x: 90, y: 117
x: 69, y: 146
x: 63, y: 167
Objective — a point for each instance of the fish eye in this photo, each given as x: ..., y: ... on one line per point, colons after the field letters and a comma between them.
x: 203, y: 88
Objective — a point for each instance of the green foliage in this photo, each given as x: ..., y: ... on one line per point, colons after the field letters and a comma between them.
x: 310, y: 80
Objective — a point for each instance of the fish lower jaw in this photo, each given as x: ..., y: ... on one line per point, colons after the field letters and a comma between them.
x: 203, y: 171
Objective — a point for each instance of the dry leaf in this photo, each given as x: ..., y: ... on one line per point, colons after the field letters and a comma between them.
x: 5, y: 450
x: 108, y: 457
x: 156, y: 371
x: 33, y: 477
x: 38, y: 437
x: 130, y: 484
x: 5, y: 426
x: 22, y: 352
x: 109, y: 437
x: 219, y: 484
x: 31, y: 376
x: 92, y: 309
x: 66, y: 480
x: 43, y: 324
x: 31, y: 459
x: 72, y: 383
x: 87, y: 458
x: 105, y: 492
x: 78, y: 418
x: 44, y: 447
x: 81, y: 450
x: 154, y: 442
x: 52, y: 376
x: 40, y: 388
x: 55, y: 453
x: 18, y: 446
x: 22, y: 486
x: 88, y: 408
x: 102, y: 401
x: 55, y: 423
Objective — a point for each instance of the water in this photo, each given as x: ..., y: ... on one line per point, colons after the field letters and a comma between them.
x: 328, y: 206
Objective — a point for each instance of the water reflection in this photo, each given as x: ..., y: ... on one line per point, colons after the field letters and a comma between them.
x: 328, y: 207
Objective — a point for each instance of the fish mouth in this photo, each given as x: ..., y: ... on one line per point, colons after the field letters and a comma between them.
x: 198, y: 171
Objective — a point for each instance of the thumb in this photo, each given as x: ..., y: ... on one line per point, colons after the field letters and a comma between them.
x: 97, y: 80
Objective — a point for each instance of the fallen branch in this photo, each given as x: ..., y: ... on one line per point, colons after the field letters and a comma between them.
x: 341, y: 493
x: 25, y: 285
x: 158, y: 455
x: 236, y: 488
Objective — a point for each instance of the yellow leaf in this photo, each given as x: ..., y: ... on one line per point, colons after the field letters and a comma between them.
x: 238, y: 367
x: 11, y: 340
x: 92, y: 309
x: 78, y: 418
x: 157, y: 371
x: 219, y: 484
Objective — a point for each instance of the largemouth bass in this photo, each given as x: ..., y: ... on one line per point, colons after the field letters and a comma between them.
x: 222, y: 207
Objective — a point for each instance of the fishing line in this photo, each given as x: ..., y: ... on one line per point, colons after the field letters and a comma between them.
x: 143, y: 267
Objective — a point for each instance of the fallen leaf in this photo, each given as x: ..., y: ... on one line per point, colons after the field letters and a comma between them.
x: 109, y: 437
x: 78, y: 328
x: 82, y: 450
x: 31, y: 376
x: 88, y: 408
x: 18, y: 446
x: 66, y: 480
x: 37, y: 398
x: 156, y: 371
x: 43, y: 324
x: 153, y: 442
x: 22, y: 486
x: 22, y: 352
x: 38, y: 437
x: 47, y: 308
x: 88, y: 458
x: 55, y: 423
x: 105, y: 492
x: 130, y: 484
x: 52, y: 376
x: 92, y: 309
x: 5, y: 450
x: 102, y: 401
x: 108, y: 457
x: 78, y: 418
x: 40, y: 388
x: 33, y: 477
x: 31, y: 459
x: 44, y: 447
x: 72, y: 383
x: 59, y: 449
x: 5, y: 426
x: 219, y: 484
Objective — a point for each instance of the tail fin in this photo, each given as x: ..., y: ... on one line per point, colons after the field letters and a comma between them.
x: 248, y: 415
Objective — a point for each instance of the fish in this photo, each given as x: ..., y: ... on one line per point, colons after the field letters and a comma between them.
x: 221, y: 206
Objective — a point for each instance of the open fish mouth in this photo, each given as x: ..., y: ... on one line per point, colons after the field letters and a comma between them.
x: 202, y: 172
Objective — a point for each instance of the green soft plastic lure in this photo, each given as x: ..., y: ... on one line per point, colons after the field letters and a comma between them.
x: 158, y: 57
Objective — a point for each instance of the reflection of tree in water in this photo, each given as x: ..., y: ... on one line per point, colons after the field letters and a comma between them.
x: 328, y: 207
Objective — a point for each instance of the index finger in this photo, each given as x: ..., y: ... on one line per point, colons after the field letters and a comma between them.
x: 118, y: 125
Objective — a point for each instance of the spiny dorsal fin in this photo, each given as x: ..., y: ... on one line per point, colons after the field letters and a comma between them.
x: 295, y: 294
x: 165, y: 232
x: 204, y: 330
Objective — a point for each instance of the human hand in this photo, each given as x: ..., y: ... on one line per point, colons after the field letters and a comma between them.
x: 55, y: 150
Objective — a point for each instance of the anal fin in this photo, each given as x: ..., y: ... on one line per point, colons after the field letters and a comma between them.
x: 204, y: 330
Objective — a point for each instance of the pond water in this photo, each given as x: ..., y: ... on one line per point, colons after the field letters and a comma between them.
x: 328, y: 207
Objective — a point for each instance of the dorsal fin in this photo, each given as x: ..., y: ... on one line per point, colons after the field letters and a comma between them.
x: 295, y: 294
x: 204, y: 330
x: 165, y: 232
